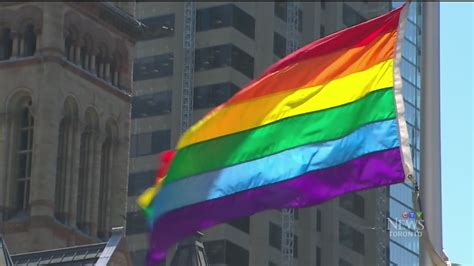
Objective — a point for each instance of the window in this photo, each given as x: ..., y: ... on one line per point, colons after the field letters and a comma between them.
x: 318, y: 256
x: 151, y: 104
x: 223, y: 56
x: 242, y: 62
x: 318, y: 220
x: 225, y: 16
x: 212, y: 95
x: 279, y: 45
x: 409, y: 91
x: 29, y: 41
x: 243, y: 224
x: 351, y: 238
x: 6, y: 43
x: 281, y: 9
x: 295, y: 246
x: 351, y: 17
x: 104, y: 185
x: 300, y: 20
x: 138, y: 182
x: 213, y: 57
x: 322, y: 31
x: 153, y: 67
x: 408, y: 71
x: 214, y: 18
x: 99, y: 62
x: 158, y: 27
x: 409, y: 51
x: 275, y: 236
x: 343, y: 262
x: 149, y: 143
x: 410, y: 112
x: 68, y: 48
x: 224, y: 252
x: 353, y: 203
x: 24, y: 156
x: 62, y: 168
x: 243, y: 22
x: 85, y: 161
x: 136, y: 223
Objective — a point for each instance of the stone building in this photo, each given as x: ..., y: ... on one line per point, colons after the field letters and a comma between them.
x: 65, y: 93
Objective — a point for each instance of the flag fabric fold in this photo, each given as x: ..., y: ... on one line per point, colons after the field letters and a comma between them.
x: 324, y: 121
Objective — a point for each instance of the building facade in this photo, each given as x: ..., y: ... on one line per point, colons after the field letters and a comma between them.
x: 234, y: 43
x: 404, y: 245
x: 65, y: 101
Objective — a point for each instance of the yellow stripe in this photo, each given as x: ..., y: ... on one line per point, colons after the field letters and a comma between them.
x: 145, y: 199
x: 264, y: 110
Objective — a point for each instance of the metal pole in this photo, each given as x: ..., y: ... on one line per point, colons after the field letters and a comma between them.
x: 430, y: 192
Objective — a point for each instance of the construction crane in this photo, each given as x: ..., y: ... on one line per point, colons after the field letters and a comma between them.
x: 288, y: 215
x: 189, y: 39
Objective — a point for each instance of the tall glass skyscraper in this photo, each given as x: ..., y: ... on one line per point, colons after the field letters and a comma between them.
x: 404, y: 247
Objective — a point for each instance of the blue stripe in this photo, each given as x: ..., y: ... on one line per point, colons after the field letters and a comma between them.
x: 276, y: 168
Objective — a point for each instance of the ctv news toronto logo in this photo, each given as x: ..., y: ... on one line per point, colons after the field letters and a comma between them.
x: 410, y: 224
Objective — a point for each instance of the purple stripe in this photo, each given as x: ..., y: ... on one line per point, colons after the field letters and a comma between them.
x: 368, y: 171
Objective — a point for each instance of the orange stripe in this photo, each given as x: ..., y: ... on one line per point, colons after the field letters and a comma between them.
x: 320, y: 70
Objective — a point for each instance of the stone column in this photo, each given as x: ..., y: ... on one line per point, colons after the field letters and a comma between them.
x: 21, y: 52
x: 119, y: 175
x: 38, y: 41
x: 3, y: 163
x: 95, y: 183
x: 15, y: 44
x: 74, y: 173
x: 52, y: 41
x: 92, y: 64
x: 43, y: 169
x: 115, y: 78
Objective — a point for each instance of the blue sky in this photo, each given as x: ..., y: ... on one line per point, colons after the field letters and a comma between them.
x: 457, y: 119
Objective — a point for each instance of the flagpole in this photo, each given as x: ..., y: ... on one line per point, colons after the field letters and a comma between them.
x: 431, y: 252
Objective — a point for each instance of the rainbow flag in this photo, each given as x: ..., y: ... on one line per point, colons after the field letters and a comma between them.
x: 322, y: 122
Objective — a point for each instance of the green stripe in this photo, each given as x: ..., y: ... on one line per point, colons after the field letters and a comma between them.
x: 325, y: 125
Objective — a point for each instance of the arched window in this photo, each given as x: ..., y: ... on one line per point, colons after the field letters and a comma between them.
x: 114, y: 72
x: 86, y: 49
x: 64, y: 162
x: 83, y: 57
x: 30, y: 40
x: 99, y: 65
x: 68, y: 47
x: 60, y: 191
x: 24, y: 153
x: 6, y: 44
x: 101, y: 60
x: 85, y: 165
x: 70, y: 38
x: 104, y: 186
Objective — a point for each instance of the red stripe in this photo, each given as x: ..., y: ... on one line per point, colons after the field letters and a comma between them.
x: 355, y: 36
